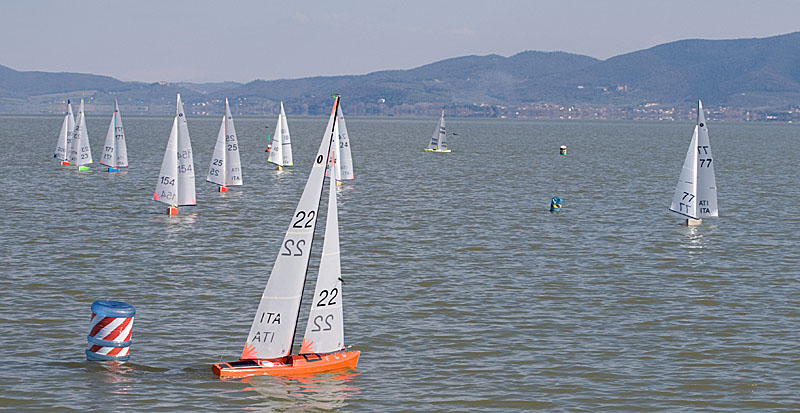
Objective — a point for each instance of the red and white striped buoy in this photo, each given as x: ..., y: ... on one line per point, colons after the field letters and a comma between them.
x: 110, y: 331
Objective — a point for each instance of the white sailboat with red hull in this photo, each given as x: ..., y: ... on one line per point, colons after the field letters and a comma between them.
x: 175, y: 185
x: 226, y: 168
x: 65, y: 136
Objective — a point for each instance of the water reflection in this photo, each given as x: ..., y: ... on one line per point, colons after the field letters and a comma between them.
x: 323, y: 391
x: 692, y: 237
x: 114, y: 375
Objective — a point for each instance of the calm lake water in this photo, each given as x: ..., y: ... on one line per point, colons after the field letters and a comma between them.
x: 462, y: 291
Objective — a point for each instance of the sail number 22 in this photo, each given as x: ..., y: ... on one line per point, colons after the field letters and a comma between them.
x: 304, y: 220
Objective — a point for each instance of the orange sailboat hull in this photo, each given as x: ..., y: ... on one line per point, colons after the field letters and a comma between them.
x: 294, y: 365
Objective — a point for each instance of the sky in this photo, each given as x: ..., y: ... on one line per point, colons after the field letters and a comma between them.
x: 244, y: 40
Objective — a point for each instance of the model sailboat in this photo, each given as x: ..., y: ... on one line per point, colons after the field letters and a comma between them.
x: 115, y: 153
x: 281, y: 150
x: 226, y: 168
x: 175, y: 185
x: 268, y: 349
x: 439, y: 138
x: 80, y: 153
x: 65, y: 137
x: 343, y: 161
x: 696, y: 193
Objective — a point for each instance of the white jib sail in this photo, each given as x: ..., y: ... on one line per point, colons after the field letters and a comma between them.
x: 325, y: 328
x: 438, y: 140
x: 108, y: 156
x: 336, y: 153
x: 346, y: 160
x: 226, y: 168
x: 121, y: 148
x: 84, y: 152
x: 217, y: 169
x: 74, y: 138
x: 276, y: 149
x: 272, y: 332
x: 186, y: 193
x: 167, y: 186
x: 442, y: 133
x: 685, y: 199
x: 706, y: 181
x: 286, y: 140
x: 233, y: 174
x: 64, y: 137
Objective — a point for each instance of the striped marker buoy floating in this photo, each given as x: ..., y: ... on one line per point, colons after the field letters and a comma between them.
x: 110, y: 331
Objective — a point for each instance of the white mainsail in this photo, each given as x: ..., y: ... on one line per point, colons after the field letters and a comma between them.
x: 226, y: 167
x: 281, y: 150
x: 65, y: 136
x: 82, y: 153
x: 167, y: 186
x: 345, y: 160
x: 439, y: 138
x: 706, y: 180
x: 186, y: 192
x: 272, y: 332
x: 115, y: 153
x: 325, y: 328
x: 684, y: 201
x: 335, y: 154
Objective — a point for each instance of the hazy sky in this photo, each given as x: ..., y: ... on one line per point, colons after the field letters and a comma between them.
x: 204, y: 41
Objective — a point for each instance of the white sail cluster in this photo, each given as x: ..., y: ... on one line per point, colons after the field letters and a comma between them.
x: 226, y: 167
x: 65, y: 136
x: 175, y: 186
x: 280, y: 152
x: 115, y: 152
x: 272, y: 332
x: 696, y: 192
x: 343, y: 161
x: 78, y: 151
x: 439, y: 139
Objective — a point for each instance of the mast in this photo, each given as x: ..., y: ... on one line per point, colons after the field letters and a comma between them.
x: 186, y: 188
x: 120, y: 147
x: 706, y: 180
x: 275, y: 322
x: 321, y: 188
x: 64, y: 135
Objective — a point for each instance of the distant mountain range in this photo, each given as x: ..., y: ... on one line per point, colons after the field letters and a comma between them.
x: 749, y: 79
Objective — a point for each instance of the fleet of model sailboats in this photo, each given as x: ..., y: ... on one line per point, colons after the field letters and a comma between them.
x: 226, y: 168
x: 281, y: 151
x: 696, y: 194
x: 268, y: 347
x: 439, y: 138
x: 175, y: 185
x: 115, y: 152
